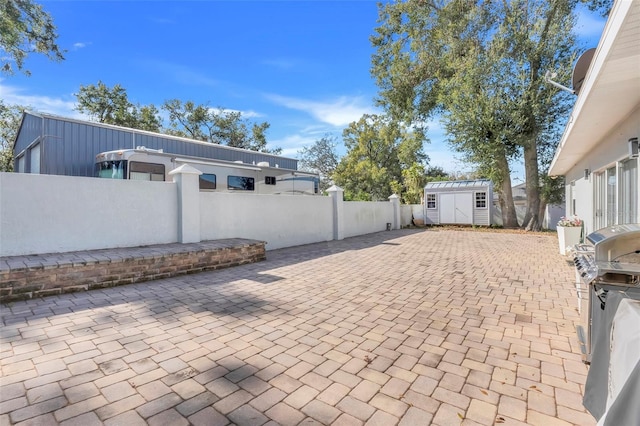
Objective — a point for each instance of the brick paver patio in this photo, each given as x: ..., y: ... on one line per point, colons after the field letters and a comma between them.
x: 405, y: 327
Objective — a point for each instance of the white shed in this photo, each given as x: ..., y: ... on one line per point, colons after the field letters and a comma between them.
x: 461, y: 202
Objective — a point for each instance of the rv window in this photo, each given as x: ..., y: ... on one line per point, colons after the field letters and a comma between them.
x: 270, y: 180
x: 111, y: 169
x: 431, y: 201
x: 240, y: 183
x: 481, y: 200
x: 146, y: 171
x: 207, y: 182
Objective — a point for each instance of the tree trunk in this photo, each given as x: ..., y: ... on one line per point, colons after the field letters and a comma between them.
x: 505, y: 196
x: 532, y: 220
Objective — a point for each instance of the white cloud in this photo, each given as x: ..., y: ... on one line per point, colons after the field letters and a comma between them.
x: 291, y: 144
x: 245, y: 114
x: 40, y: 103
x: 338, y: 112
x: 80, y: 45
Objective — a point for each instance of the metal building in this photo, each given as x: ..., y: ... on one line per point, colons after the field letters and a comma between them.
x: 50, y: 144
x: 463, y: 202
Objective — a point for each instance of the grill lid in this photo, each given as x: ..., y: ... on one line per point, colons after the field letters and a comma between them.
x: 614, y: 242
x: 612, y: 257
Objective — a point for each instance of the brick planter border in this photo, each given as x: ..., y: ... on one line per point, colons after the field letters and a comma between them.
x: 31, y: 276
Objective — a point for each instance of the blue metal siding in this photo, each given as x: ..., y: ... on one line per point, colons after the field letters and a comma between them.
x: 69, y: 147
x: 30, y: 129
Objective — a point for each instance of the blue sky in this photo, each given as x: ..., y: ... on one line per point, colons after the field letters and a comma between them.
x: 302, y: 66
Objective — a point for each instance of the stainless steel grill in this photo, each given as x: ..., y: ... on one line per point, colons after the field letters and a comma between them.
x: 608, y: 261
x: 610, y: 256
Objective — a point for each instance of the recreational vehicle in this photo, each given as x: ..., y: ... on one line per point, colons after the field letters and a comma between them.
x: 217, y: 175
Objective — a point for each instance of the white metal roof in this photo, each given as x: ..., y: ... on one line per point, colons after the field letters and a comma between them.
x: 458, y: 184
x: 611, y: 89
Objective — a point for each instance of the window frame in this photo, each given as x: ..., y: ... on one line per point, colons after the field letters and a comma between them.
x: 434, y: 200
x: 483, y: 200
x: 201, y: 179
x: 238, y: 187
x: 152, y: 169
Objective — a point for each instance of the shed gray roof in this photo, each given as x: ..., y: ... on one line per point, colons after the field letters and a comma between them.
x: 457, y: 184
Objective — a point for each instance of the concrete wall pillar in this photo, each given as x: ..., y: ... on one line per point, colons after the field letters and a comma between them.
x: 187, y: 182
x: 337, y: 195
x: 395, y: 201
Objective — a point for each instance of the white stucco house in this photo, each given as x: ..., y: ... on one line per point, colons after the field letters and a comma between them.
x: 598, y: 152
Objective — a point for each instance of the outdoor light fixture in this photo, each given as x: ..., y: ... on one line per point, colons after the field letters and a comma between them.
x: 586, y: 173
x: 633, y: 148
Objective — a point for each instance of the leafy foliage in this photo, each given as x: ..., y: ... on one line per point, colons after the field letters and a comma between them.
x: 379, y: 150
x: 320, y: 157
x: 112, y: 106
x: 603, y: 7
x: 10, y: 116
x: 481, y: 65
x: 25, y: 28
x: 216, y: 125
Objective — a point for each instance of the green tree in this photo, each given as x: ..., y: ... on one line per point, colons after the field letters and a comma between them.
x: 482, y: 65
x: 10, y: 117
x: 436, y: 173
x: 112, y: 106
x: 414, y: 179
x: 216, y: 125
x: 378, y: 151
x: 25, y: 28
x: 320, y: 157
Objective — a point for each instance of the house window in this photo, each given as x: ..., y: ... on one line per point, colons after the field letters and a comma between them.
x: 612, y: 186
x: 599, y: 199
x: 481, y: 200
x: 431, y: 201
x: 629, y: 191
x: 146, y: 171
x: 240, y: 183
x: 207, y: 182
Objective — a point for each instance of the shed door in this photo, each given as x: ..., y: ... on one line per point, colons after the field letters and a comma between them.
x: 456, y: 208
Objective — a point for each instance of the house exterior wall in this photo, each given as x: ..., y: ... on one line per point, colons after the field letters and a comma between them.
x: 610, y: 152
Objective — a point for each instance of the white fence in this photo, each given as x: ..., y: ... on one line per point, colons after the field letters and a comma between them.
x: 51, y: 214
x: 362, y: 217
x: 552, y: 215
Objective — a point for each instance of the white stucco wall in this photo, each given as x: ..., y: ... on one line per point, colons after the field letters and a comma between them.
x: 280, y: 220
x: 364, y: 217
x: 46, y: 213
x: 408, y: 212
x: 613, y: 148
